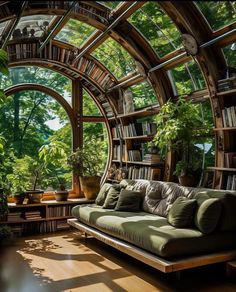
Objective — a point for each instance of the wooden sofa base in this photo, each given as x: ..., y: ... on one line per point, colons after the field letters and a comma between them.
x: 159, y: 263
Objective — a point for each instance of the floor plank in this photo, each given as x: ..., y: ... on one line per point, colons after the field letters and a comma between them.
x: 66, y: 262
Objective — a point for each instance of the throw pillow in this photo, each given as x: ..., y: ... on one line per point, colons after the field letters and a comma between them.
x: 207, y: 215
x: 182, y: 212
x: 101, y: 197
x: 129, y: 201
x: 112, y: 196
x: 228, y: 216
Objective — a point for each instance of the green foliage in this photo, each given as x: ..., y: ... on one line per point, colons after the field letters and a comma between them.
x: 179, y: 125
x: 4, y: 62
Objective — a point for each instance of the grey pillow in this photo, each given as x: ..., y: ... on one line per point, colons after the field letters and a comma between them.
x: 112, y: 196
x: 207, y: 215
x: 129, y: 200
x: 101, y: 197
x: 181, y: 213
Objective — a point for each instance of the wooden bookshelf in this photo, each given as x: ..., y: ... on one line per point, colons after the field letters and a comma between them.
x: 48, y: 214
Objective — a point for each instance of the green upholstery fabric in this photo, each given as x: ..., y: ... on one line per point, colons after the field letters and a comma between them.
x: 181, y: 213
x: 129, y: 201
x: 112, y: 196
x: 152, y: 232
x: 101, y: 197
x: 208, y: 215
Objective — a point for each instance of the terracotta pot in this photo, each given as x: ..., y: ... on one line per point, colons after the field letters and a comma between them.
x: 90, y: 186
x: 61, y: 196
x: 34, y: 196
x: 187, y: 181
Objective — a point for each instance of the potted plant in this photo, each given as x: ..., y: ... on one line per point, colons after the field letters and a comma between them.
x: 54, y: 156
x: 86, y: 165
x: 179, y: 125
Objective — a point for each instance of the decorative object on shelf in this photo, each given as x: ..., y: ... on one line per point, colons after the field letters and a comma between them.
x: 34, y: 196
x: 190, y: 44
x: 19, y: 198
x: 128, y: 104
x: 85, y: 164
x: 61, y: 195
x: 178, y: 126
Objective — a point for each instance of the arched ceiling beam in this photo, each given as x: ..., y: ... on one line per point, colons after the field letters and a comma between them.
x: 58, y: 26
x: 13, y: 25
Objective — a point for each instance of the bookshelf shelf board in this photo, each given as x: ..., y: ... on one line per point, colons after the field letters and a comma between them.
x: 228, y: 92
x: 222, y: 169
x: 143, y: 137
x: 68, y: 202
x: 141, y: 113
x: 116, y: 139
x: 22, y: 221
x: 58, y: 218
x: 116, y: 161
x: 144, y: 163
x: 225, y: 129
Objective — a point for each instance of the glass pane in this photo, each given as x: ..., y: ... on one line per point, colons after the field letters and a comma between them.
x: 110, y: 4
x: 75, y: 32
x: 29, y: 120
x: 96, y: 139
x: 218, y: 13
x: 32, y: 26
x: 143, y: 95
x: 115, y: 58
x: 157, y: 27
x: 89, y: 106
x: 38, y: 75
x: 230, y: 55
x: 2, y: 26
x: 186, y: 78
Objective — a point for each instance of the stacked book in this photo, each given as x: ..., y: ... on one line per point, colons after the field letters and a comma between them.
x: 227, y: 84
x: 14, y: 216
x: 152, y: 158
x: 229, y: 116
x: 134, y: 155
x: 231, y: 182
x: 30, y: 215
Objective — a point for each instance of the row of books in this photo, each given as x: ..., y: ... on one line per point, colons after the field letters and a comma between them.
x: 140, y: 129
x: 118, y: 152
x: 14, y: 216
x: 134, y: 155
x: 107, y: 107
x: 230, y: 159
x: 30, y: 215
x: 229, y: 116
x: 116, y: 131
x: 231, y: 182
x: 227, y: 84
x: 144, y: 173
x: 59, y: 211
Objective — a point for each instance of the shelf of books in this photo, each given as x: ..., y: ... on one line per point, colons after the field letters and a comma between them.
x: 48, y: 216
x: 225, y: 120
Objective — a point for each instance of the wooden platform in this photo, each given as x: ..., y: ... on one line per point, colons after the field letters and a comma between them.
x: 159, y: 263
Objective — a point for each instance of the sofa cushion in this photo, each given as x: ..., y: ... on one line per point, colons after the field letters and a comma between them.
x: 112, y: 196
x: 129, y: 201
x: 208, y: 214
x: 101, y: 197
x: 152, y: 232
x: 181, y: 213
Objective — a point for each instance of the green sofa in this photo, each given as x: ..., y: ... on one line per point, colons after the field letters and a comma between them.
x: 149, y: 229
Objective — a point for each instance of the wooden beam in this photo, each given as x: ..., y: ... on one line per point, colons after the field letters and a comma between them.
x: 93, y: 119
x: 58, y: 26
x: 104, y: 33
x: 16, y: 21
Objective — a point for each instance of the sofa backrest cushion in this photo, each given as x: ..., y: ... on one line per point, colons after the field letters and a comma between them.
x: 112, y: 196
x: 129, y: 200
x: 227, y: 221
x: 101, y: 197
x: 181, y: 213
x: 207, y: 214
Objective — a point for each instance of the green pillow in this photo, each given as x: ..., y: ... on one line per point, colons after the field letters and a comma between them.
x: 207, y: 215
x: 129, y: 201
x: 101, y: 197
x: 112, y: 196
x: 228, y: 216
x: 182, y: 212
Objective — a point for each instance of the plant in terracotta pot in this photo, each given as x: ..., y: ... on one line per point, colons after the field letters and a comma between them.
x: 85, y: 163
x: 179, y: 126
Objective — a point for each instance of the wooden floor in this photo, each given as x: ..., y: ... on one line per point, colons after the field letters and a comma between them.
x: 65, y: 262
